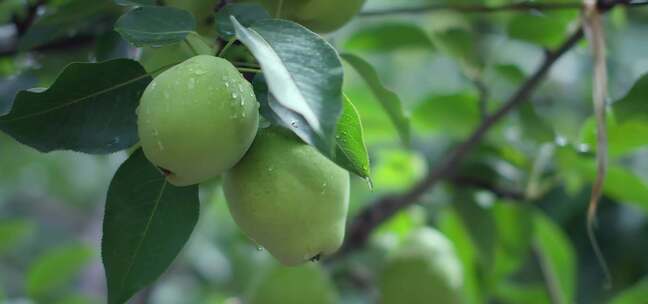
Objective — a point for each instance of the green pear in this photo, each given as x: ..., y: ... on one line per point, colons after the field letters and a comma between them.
x: 197, y: 119
x: 423, y: 270
x: 321, y: 16
x: 157, y: 59
x: 288, y: 197
x: 294, y: 285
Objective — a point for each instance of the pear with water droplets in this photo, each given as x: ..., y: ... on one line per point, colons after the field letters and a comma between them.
x: 288, y: 198
x: 197, y: 119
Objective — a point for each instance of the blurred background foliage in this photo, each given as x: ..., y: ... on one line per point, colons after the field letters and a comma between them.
x: 515, y: 214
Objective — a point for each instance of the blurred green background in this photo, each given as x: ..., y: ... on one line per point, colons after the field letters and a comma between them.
x: 518, y: 228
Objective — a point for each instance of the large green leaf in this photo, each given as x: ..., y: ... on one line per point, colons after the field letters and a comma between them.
x: 454, y: 115
x: 480, y: 224
x: 547, y: 29
x: 56, y: 268
x: 388, y: 37
x: 621, y: 184
x: 515, y: 293
x: 302, y: 70
x: 633, y: 295
x: 557, y: 257
x: 90, y: 108
x: 155, y: 25
x: 146, y: 223
x: 455, y: 229
x: 387, y: 98
x: 634, y: 106
x: 624, y: 136
x: 514, y: 223
x: 463, y: 45
x: 397, y: 169
x: 72, y: 18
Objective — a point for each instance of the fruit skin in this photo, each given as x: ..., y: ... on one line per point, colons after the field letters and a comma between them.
x: 156, y: 59
x: 294, y: 285
x: 288, y: 197
x: 322, y: 16
x: 423, y: 270
x: 197, y: 119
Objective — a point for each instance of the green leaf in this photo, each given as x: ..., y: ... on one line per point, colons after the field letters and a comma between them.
x: 621, y: 184
x: 155, y: 25
x: 90, y: 108
x: 461, y: 44
x: 547, y: 29
x: 634, y: 106
x: 146, y: 223
x: 351, y: 150
x: 633, y: 295
x: 56, y: 268
x: 481, y: 227
x: 396, y: 170
x: 245, y: 13
x: 74, y: 17
x: 455, y: 115
x: 13, y: 232
x: 514, y: 223
x: 303, y: 73
x: 533, y: 125
x: 557, y: 257
x: 623, y: 136
x: 389, y: 37
x: 454, y: 228
x: 515, y: 293
x: 388, y: 99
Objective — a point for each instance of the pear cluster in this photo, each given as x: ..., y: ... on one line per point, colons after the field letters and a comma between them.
x: 199, y: 120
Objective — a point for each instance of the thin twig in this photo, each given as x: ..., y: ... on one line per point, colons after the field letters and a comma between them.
x: 385, y: 207
x: 594, y: 29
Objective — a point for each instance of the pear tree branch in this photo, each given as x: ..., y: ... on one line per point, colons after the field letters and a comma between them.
x: 603, y: 5
x: 384, y: 208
